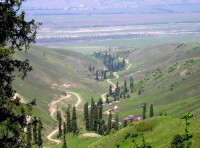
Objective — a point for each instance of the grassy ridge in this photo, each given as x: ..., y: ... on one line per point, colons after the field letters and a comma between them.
x: 158, y: 131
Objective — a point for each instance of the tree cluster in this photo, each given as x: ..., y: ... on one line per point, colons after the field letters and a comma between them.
x: 113, y: 63
x: 34, y: 133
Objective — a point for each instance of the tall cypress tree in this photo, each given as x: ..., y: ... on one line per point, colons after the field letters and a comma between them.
x: 64, y: 142
x: 59, y: 124
x: 100, y: 112
x: 125, y: 87
x: 95, y: 118
x: 107, y: 100
x: 86, y: 116
x: 116, y: 125
x: 109, y: 123
x: 151, y: 111
x: 28, y: 136
x: 125, y: 123
x: 68, y: 120
x: 35, y: 130
x: 64, y: 128
x: 97, y: 75
x: 40, y: 141
x: 92, y: 114
x: 110, y: 90
x: 144, y: 111
x: 74, y: 123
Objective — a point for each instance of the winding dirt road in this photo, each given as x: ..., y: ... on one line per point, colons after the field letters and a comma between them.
x: 103, y: 96
x: 52, y: 109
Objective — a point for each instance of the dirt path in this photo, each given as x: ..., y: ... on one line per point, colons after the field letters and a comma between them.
x: 78, y: 97
x: 52, y: 105
x: 91, y: 135
x: 52, y: 109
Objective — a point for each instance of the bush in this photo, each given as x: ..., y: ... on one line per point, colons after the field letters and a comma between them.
x: 127, y: 135
x: 177, y: 142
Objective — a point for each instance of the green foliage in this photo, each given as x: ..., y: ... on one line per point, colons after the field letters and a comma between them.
x: 151, y: 111
x: 69, y: 126
x: 15, y: 33
x: 40, y: 141
x: 74, y: 121
x: 177, y: 142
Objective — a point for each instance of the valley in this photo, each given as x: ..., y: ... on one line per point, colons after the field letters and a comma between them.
x: 157, y: 70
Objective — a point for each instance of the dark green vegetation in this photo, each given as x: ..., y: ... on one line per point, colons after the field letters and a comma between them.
x: 157, y: 132
x: 15, y: 33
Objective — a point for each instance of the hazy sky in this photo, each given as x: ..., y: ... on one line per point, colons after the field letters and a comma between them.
x: 100, y: 3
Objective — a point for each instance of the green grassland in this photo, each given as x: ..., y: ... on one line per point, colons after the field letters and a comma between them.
x: 158, y: 132
x: 162, y: 71
x: 55, y: 66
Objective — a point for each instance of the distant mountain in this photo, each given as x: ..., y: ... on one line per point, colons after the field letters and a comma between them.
x: 100, y: 4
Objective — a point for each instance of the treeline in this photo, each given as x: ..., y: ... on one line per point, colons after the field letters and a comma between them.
x: 70, y: 126
x: 121, y: 92
x: 112, y: 63
x: 34, y: 133
x: 93, y: 118
x: 100, y: 74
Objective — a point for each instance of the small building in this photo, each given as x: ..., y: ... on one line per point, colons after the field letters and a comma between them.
x: 134, y: 118
x: 112, y: 111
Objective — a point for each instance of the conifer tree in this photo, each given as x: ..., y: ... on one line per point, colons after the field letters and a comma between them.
x: 35, y: 130
x: 64, y: 128
x: 107, y: 100
x: 74, y: 123
x: 100, y: 102
x: 109, y: 123
x: 151, y: 111
x: 40, y: 141
x: 86, y: 116
x: 144, y: 111
x: 59, y: 124
x: 116, y: 125
x: 110, y: 90
x: 64, y: 142
x: 16, y: 33
x: 68, y: 120
x: 92, y: 114
x: 95, y: 118
x: 105, y: 74
x: 100, y: 112
x: 125, y: 123
x: 28, y: 136
x: 97, y: 75
x: 125, y: 87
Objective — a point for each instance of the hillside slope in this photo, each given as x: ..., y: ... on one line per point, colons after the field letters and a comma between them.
x: 158, y: 131
x: 55, y: 71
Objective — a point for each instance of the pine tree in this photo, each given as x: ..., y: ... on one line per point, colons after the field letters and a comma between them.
x: 74, y: 123
x: 35, y: 130
x: 40, y: 141
x: 144, y: 111
x: 105, y: 74
x: 59, y: 124
x: 107, y: 100
x: 109, y: 123
x: 95, y: 118
x: 86, y: 116
x: 64, y: 128
x: 125, y: 87
x: 92, y: 114
x: 151, y: 111
x: 16, y: 33
x: 110, y: 90
x: 125, y: 123
x: 97, y: 75
x: 100, y: 112
x: 28, y: 136
x: 68, y: 120
x: 116, y: 126
x: 100, y: 102
x: 64, y: 142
